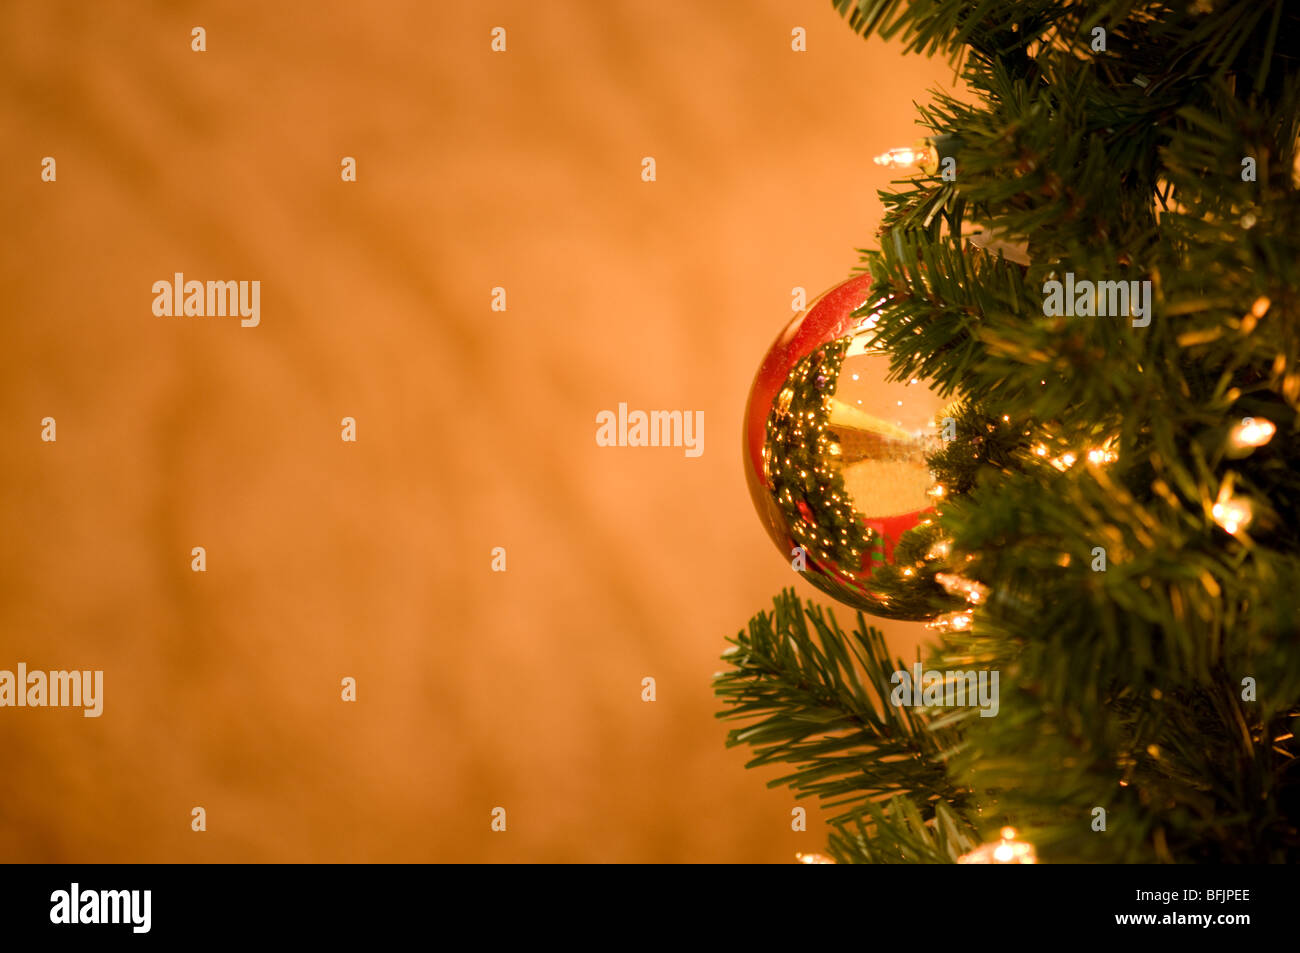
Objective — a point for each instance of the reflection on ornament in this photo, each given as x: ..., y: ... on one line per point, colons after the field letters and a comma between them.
x: 940, y: 550
x: 813, y: 858
x: 959, y: 621
x: 955, y: 585
x: 1106, y: 453
x: 1064, y: 461
x: 1006, y: 851
x: 1252, y: 432
x: 835, y: 454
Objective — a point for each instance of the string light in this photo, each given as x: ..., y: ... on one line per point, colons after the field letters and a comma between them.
x: 922, y: 155
x: 812, y: 858
x: 926, y: 154
x: 1098, y: 456
x: 1006, y: 851
x: 1252, y: 432
x: 1233, y: 513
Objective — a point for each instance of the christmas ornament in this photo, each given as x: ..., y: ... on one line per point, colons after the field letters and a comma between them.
x: 1006, y: 851
x: 835, y: 455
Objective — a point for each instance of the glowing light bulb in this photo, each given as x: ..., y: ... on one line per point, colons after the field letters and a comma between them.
x: 939, y: 550
x: 922, y: 154
x: 1233, y: 513
x: 1252, y: 432
x: 956, y: 585
x: 811, y: 858
x: 1064, y: 461
x: 900, y: 158
x: 1006, y: 851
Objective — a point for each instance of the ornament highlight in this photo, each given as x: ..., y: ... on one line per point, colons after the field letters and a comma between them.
x: 836, y: 454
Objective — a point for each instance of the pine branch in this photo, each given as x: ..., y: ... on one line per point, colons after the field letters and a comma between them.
x: 896, y: 833
x: 819, y: 699
x: 1159, y: 683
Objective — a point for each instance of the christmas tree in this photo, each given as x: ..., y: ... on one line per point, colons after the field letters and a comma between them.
x: 1097, y: 260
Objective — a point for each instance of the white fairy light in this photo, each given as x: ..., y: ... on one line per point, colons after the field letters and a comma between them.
x: 1252, y: 432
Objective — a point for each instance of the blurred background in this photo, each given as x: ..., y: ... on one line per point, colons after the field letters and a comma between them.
x: 475, y: 428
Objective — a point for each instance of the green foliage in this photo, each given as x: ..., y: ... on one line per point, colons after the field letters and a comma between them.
x: 1122, y: 687
x: 896, y: 833
x: 819, y: 699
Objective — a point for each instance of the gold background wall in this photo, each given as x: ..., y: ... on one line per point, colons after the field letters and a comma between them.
x: 475, y: 429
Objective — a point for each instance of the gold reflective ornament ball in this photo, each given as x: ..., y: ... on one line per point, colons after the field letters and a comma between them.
x: 836, y: 455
